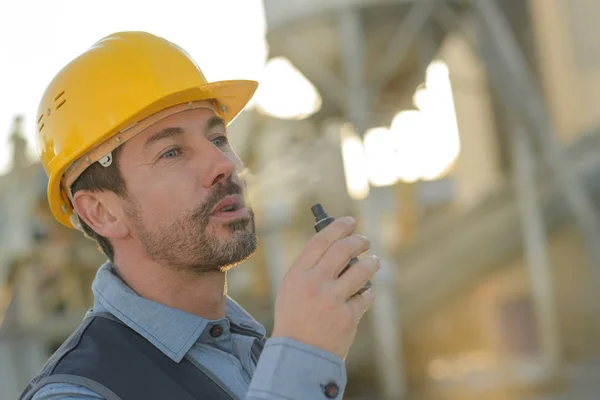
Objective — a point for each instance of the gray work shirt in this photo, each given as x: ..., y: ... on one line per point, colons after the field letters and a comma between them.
x: 287, y: 369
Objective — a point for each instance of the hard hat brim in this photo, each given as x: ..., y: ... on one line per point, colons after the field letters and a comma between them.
x: 233, y: 95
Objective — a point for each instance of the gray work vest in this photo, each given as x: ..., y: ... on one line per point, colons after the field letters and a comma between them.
x: 111, y: 359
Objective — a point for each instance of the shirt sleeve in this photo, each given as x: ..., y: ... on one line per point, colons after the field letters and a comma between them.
x: 291, y: 370
x: 65, y: 391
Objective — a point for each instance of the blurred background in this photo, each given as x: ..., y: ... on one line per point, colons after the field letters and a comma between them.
x: 463, y: 135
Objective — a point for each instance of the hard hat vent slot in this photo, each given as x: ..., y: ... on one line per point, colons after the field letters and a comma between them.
x: 59, y: 105
x: 40, y: 122
x: 61, y: 94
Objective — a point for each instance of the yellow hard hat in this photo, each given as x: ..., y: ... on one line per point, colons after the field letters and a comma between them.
x: 120, y: 81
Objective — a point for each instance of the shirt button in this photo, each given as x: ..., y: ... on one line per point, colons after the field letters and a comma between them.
x: 216, y: 331
x: 332, y: 390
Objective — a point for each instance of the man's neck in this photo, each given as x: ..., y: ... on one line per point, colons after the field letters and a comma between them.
x: 203, y: 295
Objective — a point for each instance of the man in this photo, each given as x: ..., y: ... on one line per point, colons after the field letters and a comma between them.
x: 134, y: 142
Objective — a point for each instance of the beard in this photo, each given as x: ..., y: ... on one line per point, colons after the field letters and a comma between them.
x: 185, y: 243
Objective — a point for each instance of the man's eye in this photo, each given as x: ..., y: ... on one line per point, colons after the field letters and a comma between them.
x: 170, y: 154
x: 220, y: 141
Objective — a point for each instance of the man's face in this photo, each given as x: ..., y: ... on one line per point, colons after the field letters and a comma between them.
x: 184, y: 201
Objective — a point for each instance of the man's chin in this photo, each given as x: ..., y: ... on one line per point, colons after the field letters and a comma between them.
x: 243, y: 246
x: 231, y: 265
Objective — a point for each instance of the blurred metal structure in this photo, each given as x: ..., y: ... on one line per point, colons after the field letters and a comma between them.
x: 515, y: 84
x: 45, y: 272
x: 536, y: 252
x: 380, y: 48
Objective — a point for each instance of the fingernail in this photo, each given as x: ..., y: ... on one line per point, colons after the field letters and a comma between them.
x: 373, y: 258
x: 348, y: 220
x: 369, y: 261
x: 375, y: 262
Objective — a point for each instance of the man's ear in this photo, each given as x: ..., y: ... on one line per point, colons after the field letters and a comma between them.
x: 100, y: 212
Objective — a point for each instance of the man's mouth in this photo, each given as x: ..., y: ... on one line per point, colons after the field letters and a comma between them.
x: 230, y: 207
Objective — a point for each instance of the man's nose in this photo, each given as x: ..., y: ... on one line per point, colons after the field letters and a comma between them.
x: 220, y: 168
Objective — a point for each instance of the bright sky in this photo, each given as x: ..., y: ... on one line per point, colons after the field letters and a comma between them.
x: 38, y: 37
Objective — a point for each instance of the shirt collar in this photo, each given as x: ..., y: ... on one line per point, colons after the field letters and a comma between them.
x: 171, y: 330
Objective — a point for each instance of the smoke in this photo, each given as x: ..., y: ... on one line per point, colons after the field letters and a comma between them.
x: 302, y: 168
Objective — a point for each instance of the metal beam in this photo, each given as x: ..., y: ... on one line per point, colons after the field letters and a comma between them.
x: 358, y: 106
x: 399, y: 44
x: 535, y: 246
x: 387, y: 330
x: 515, y: 84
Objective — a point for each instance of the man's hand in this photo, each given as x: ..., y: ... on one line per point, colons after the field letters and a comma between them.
x: 314, y: 305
